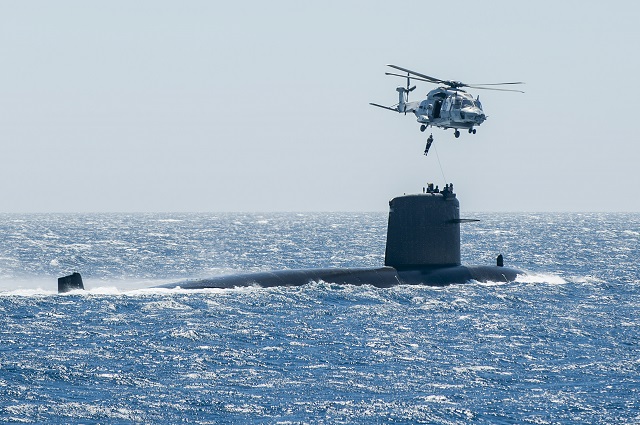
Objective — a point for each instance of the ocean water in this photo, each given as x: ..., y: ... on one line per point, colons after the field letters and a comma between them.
x: 558, y: 346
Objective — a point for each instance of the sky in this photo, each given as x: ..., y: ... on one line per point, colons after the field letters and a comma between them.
x: 216, y: 106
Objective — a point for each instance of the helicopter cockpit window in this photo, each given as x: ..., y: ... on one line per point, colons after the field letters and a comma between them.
x: 467, y: 102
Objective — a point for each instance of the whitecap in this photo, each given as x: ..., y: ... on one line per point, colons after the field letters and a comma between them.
x: 586, y: 279
x: 436, y: 399
x: 28, y: 292
x: 168, y: 304
x: 550, y: 279
x: 186, y: 334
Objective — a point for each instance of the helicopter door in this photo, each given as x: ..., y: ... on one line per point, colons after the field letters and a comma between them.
x: 436, y: 109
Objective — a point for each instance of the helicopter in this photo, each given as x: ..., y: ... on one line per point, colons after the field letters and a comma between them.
x: 447, y: 106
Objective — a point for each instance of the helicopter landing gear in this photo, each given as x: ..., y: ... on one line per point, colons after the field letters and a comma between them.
x: 472, y: 130
x: 423, y: 127
x: 457, y: 134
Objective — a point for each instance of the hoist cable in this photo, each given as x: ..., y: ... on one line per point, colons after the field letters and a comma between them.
x: 441, y: 170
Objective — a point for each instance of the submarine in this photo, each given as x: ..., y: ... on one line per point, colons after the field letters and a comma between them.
x: 422, y: 248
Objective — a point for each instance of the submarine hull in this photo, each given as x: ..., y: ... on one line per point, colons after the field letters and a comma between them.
x: 423, y: 248
x: 381, y: 277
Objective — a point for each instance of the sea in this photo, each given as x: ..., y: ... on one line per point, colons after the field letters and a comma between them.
x: 560, y: 345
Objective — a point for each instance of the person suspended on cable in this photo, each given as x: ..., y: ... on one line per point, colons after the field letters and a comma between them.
x: 429, y: 142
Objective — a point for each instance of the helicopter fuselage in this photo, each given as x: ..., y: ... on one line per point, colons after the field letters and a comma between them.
x: 446, y: 108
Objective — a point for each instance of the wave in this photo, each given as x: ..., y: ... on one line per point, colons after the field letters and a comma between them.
x: 547, y: 278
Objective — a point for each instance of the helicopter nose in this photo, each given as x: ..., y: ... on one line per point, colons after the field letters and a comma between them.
x: 478, y: 116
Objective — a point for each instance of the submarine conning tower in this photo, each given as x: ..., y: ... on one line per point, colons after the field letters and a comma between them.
x: 424, y: 230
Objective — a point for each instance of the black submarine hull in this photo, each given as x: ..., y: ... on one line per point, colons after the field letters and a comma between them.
x: 423, y: 248
x: 381, y: 277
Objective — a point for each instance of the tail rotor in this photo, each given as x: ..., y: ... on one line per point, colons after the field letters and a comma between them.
x: 405, y: 93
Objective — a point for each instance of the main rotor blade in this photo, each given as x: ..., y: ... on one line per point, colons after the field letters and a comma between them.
x: 430, y: 79
x: 495, y: 89
x: 413, y: 78
x: 494, y: 84
x: 452, y: 84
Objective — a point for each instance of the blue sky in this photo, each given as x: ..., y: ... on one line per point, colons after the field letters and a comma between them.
x: 263, y: 106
